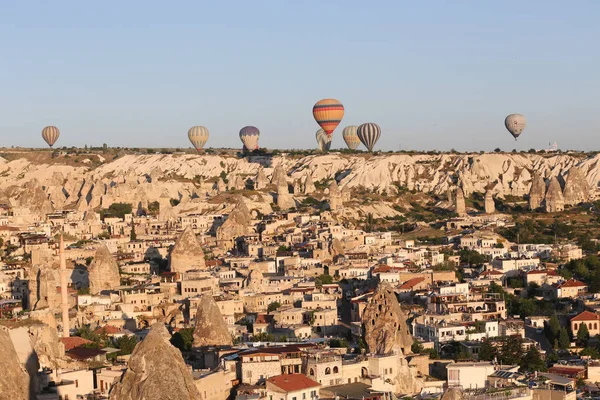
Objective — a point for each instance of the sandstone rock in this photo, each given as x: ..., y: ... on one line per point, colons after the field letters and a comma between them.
x: 34, y: 198
x: 220, y: 186
x: 237, y: 183
x: 460, y: 207
x: 537, y: 192
x: 14, y: 380
x: 236, y: 224
x: 309, y: 186
x: 187, y: 253
x: 554, y: 197
x: 576, y: 187
x: 261, y: 180
x: 156, y: 371
x: 337, y: 248
x: 279, y: 177
x: 210, y: 327
x: 453, y: 394
x: 254, y: 281
x: 335, y: 197
x: 284, y: 199
x: 490, y: 206
x: 297, y: 187
x: 103, y: 273
x: 42, y: 287
x: 386, y: 331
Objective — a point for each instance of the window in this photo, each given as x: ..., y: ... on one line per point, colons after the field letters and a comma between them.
x: 335, y: 370
x: 327, y: 371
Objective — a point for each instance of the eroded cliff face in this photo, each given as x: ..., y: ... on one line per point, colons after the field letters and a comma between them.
x: 210, y: 327
x: 14, y: 380
x: 141, y: 179
x: 103, y: 272
x: 187, y: 253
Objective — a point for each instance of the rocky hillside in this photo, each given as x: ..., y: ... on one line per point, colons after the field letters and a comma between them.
x: 134, y: 178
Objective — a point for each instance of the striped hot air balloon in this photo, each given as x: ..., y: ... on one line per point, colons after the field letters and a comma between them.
x: 328, y: 113
x: 515, y: 123
x: 50, y: 134
x: 323, y: 140
x: 249, y: 136
x: 198, y: 135
x: 369, y: 134
x: 350, y: 137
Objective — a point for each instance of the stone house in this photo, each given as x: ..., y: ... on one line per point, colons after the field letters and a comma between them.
x: 292, y: 387
x: 590, y: 319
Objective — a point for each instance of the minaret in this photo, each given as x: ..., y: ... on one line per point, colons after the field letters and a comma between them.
x: 64, y: 295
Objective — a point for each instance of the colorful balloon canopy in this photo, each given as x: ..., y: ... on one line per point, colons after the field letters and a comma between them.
x: 350, y: 137
x: 369, y: 134
x: 249, y: 136
x: 323, y: 140
x: 515, y: 123
x: 198, y: 135
x: 50, y: 134
x: 328, y: 113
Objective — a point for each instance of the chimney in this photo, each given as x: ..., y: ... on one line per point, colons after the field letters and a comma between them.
x: 64, y: 295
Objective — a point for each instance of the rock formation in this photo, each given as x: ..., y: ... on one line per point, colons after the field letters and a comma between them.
x: 210, y: 327
x: 156, y: 371
x: 309, y: 186
x: 576, y: 187
x: 386, y: 334
x: 279, y: 177
x: 453, y: 394
x: 187, y: 253
x: 460, y: 207
x: 236, y: 224
x: 297, y: 188
x: 335, y: 196
x: 284, y: 200
x: 490, y: 206
x: 554, y: 197
x: 261, y: 180
x: 220, y: 186
x: 14, y: 380
x: 42, y: 288
x: 254, y: 281
x: 337, y: 248
x: 386, y: 331
x: 537, y: 192
x: 237, y: 183
x: 103, y: 272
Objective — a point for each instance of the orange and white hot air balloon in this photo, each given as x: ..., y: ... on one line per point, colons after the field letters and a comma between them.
x: 50, y: 134
x: 328, y: 113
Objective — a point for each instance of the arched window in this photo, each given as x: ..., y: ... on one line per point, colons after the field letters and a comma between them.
x: 327, y: 371
x: 335, y: 370
x: 595, y: 325
x: 311, y: 372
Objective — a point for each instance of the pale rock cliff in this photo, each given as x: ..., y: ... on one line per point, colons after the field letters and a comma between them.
x: 103, y: 273
x: 210, y: 327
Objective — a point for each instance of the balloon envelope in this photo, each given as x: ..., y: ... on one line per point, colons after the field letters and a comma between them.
x: 50, y: 134
x: 350, y: 137
x: 323, y: 140
x: 369, y: 134
x: 328, y: 113
x: 249, y: 136
x: 198, y: 135
x: 515, y: 123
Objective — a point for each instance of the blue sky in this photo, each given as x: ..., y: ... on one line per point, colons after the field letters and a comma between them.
x: 432, y: 74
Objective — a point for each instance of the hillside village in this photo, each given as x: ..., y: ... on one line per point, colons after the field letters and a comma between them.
x: 215, y: 277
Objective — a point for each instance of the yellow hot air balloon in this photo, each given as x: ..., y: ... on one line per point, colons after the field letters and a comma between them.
x: 50, y: 134
x: 328, y: 113
x: 198, y: 135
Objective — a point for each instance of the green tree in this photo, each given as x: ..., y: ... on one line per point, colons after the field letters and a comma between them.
x: 183, y: 339
x: 552, y: 330
x: 487, y: 352
x: 583, y: 335
x: 416, y: 347
x: 532, y: 360
x: 563, y: 339
x: 132, y: 235
x: 154, y: 208
x: 338, y: 343
x: 511, y: 350
x: 273, y: 306
x: 126, y: 344
x: 118, y: 210
x: 324, y: 279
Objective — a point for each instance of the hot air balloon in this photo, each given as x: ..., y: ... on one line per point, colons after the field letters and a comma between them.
x: 198, y: 135
x: 350, y: 137
x: 323, y: 140
x: 249, y: 136
x: 515, y: 123
x: 50, y: 134
x: 369, y: 134
x: 328, y: 113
